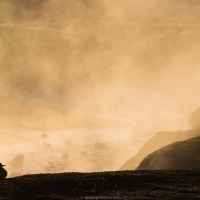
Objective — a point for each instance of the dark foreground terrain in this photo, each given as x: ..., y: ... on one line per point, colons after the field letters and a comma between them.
x: 104, y: 185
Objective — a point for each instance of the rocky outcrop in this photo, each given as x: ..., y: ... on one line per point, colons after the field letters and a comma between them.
x: 161, y: 139
x: 177, y: 156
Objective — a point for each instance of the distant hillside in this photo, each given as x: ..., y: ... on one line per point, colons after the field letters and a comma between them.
x: 161, y: 139
x: 104, y: 185
x: 180, y: 155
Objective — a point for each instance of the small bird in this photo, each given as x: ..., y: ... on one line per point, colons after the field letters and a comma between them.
x: 3, y: 172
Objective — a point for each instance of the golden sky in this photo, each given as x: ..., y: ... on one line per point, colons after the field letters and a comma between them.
x: 107, y: 66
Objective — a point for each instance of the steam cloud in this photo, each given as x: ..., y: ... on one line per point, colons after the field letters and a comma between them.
x: 109, y: 64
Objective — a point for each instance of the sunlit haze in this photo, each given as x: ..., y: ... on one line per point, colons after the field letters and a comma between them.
x: 83, y: 84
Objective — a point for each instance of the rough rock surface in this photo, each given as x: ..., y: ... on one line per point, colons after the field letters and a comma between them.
x: 177, y: 156
x: 160, y: 140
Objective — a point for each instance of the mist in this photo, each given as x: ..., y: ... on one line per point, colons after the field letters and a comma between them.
x: 82, y: 80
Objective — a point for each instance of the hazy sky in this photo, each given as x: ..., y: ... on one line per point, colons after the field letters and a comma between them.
x: 99, y: 64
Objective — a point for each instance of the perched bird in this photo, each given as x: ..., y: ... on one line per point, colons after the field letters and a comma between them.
x: 3, y: 172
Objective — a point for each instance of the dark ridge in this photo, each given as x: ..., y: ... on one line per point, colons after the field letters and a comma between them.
x: 104, y: 185
x: 160, y: 140
x: 182, y: 155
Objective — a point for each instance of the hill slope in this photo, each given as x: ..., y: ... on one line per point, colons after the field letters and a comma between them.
x: 161, y: 139
x: 180, y: 155
x: 104, y: 185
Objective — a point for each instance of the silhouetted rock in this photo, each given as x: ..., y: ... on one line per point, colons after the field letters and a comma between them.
x: 3, y: 172
x: 161, y: 139
x: 179, y: 155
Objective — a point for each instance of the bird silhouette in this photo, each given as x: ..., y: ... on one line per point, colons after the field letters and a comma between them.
x: 3, y: 172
